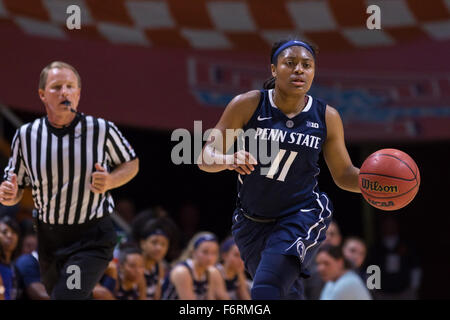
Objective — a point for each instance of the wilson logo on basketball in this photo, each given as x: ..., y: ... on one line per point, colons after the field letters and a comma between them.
x: 375, y: 186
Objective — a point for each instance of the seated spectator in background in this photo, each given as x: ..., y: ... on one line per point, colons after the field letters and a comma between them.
x: 29, y: 236
x: 29, y: 278
x: 333, y: 234
x: 157, y: 212
x: 314, y: 284
x: 9, y: 251
x: 195, y: 276
x: 355, y: 251
x: 232, y: 270
x: 341, y: 282
x: 131, y: 275
x: 154, y: 243
x: 107, y: 287
x: 29, y: 243
x: 399, y: 264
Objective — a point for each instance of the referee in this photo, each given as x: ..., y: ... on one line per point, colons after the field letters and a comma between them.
x: 71, y: 161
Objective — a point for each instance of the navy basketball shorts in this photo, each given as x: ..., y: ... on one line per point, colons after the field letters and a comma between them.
x: 298, y: 235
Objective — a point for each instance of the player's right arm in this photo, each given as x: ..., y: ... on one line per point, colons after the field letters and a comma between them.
x: 183, y: 282
x: 214, y: 157
x: 10, y: 194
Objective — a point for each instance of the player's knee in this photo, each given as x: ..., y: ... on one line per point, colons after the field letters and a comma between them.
x: 267, y: 286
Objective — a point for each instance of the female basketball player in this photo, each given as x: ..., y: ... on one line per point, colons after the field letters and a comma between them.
x: 195, y: 276
x: 281, y: 216
x: 154, y: 242
x: 232, y: 270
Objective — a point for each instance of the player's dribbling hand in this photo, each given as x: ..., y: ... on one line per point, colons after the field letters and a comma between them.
x: 243, y: 162
x: 101, y: 180
x: 9, y: 189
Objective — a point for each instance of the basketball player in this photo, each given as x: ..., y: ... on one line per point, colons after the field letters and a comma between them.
x: 232, y: 271
x: 195, y: 276
x: 281, y: 216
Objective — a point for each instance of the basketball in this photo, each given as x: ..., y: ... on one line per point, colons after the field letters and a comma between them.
x: 389, y: 179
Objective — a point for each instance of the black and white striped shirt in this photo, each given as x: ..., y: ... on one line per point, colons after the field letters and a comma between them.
x: 58, y: 164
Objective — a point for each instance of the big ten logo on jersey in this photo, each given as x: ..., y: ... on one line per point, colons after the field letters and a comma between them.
x: 312, y: 124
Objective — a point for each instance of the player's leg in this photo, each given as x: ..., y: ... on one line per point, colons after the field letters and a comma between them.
x: 250, y: 237
x: 275, y: 276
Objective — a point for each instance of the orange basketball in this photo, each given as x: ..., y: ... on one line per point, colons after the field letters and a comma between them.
x: 389, y: 179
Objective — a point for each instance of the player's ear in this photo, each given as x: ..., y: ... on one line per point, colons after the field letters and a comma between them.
x: 273, y: 68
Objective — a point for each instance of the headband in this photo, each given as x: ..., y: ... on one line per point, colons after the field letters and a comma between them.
x: 155, y: 232
x: 226, y: 246
x: 291, y: 44
x: 206, y: 237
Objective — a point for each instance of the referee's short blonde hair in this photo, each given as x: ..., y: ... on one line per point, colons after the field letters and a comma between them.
x: 57, y: 65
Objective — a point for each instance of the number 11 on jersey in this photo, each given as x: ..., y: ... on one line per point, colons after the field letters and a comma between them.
x: 276, y: 164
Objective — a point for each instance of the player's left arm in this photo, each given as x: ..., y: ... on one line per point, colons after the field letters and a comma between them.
x: 344, y: 173
x: 102, y: 180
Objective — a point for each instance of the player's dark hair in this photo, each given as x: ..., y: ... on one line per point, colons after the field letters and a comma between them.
x: 124, y: 252
x: 11, y: 223
x: 157, y: 225
x: 270, y: 83
x: 336, y: 253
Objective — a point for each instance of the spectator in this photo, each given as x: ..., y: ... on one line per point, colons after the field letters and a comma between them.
x: 157, y: 212
x: 29, y: 277
x: 232, y: 270
x: 314, y: 284
x: 195, y: 276
x: 154, y: 242
x: 107, y: 287
x: 29, y: 238
x: 355, y: 251
x: 400, y: 270
x: 9, y: 250
x: 131, y: 275
x: 341, y: 282
x: 333, y: 234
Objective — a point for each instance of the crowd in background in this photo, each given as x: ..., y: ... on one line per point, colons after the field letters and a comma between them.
x: 158, y: 257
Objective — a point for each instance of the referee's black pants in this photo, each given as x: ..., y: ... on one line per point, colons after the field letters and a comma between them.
x: 73, y: 258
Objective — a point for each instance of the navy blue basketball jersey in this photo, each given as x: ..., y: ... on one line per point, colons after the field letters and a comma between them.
x: 152, y: 278
x: 130, y: 294
x: 200, y: 286
x: 288, y: 182
x: 231, y: 285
